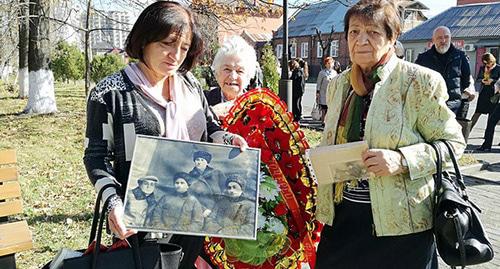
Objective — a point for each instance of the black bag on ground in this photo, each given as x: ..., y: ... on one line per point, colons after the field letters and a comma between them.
x: 460, y: 237
x: 146, y: 256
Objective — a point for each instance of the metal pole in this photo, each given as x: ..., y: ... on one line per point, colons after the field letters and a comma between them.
x: 285, y: 86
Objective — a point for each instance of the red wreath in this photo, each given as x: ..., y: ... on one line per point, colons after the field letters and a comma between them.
x: 262, y: 119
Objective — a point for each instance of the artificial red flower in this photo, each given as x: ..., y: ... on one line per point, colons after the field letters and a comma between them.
x: 239, y: 128
x: 280, y: 209
x: 261, y: 117
x: 290, y: 164
x: 278, y: 140
x: 256, y: 140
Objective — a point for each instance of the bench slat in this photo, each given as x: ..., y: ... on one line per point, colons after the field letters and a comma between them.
x: 7, y: 156
x: 15, y: 237
x: 10, y: 189
x: 9, y: 173
x: 10, y: 208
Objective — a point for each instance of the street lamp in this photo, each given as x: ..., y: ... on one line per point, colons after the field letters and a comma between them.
x: 285, y: 87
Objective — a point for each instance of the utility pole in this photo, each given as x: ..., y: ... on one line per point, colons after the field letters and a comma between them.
x: 285, y: 86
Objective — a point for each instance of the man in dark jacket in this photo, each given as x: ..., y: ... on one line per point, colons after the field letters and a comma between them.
x: 451, y: 63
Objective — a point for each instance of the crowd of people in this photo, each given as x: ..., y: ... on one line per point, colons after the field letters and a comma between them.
x: 385, y: 219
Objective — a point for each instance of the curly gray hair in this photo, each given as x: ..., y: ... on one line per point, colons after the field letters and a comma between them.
x: 236, y: 46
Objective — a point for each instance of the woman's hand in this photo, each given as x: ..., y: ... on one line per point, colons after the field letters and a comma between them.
x: 239, y: 141
x: 116, y: 224
x: 383, y: 162
x: 487, y: 81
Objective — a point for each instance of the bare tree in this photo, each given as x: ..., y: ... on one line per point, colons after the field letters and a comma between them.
x: 325, y: 44
x: 41, y: 98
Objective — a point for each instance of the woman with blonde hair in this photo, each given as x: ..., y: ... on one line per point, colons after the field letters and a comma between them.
x: 488, y: 75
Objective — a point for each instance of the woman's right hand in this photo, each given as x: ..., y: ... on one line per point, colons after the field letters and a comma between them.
x: 116, y: 224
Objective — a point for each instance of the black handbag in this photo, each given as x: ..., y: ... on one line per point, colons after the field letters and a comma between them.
x: 460, y: 237
x: 145, y: 256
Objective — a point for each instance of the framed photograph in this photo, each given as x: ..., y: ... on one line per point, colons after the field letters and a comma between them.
x: 193, y: 188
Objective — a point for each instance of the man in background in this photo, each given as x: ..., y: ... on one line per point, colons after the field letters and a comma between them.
x: 452, y: 64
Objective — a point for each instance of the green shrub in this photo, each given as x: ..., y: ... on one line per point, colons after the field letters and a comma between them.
x: 105, y: 65
x: 269, y: 65
x: 67, y: 62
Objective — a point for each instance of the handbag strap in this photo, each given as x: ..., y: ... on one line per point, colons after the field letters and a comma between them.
x: 98, y: 225
x: 97, y: 207
x: 439, y: 167
x: 458, y: 176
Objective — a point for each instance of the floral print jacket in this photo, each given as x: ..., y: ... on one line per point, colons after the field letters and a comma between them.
x: 407, y: 112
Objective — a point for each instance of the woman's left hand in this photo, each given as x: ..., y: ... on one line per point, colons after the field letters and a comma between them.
x: 240, y: 141
x: 383, y: 162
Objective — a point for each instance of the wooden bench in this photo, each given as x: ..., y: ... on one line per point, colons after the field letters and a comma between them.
x: 15, y: 235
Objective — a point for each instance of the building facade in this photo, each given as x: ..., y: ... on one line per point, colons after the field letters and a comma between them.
x: 304, y: 26
x: 111, y: 30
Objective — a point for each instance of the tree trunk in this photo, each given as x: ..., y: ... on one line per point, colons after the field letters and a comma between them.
x: 88, y: 52
x: 41, y: 80
x: 23, y: 48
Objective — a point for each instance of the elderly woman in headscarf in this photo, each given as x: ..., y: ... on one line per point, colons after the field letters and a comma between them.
x: 398, y: 108
x: 234, y: 66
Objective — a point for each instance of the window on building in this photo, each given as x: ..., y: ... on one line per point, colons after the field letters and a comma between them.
x: 409, y: 55
x: 319, y: 50
x: 293, y: 50
x: 334, y: 48
x: 304, y: 50
x: 279, y: 50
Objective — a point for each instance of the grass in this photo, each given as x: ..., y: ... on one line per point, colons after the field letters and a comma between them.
x: 58, y: 197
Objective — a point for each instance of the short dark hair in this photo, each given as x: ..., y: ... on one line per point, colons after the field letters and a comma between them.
x: 158, y: 21
x: 382, y: 12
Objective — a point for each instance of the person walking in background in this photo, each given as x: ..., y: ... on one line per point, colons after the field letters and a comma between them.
x: 337, y: 67
x: 156, y: 96
x: 386, y: 219
x: 298, y: 85
x: 488, y: 76
x: 234, y: 66
x: 493, y: 119
x: 325, y: 75
x: 305, y: 68
x: 451, y: 63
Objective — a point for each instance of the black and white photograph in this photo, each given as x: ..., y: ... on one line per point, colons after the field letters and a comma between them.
x: 195, y: 188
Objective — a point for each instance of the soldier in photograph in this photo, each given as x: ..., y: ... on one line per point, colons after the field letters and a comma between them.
x: 141, y: 202
x: 179, y: 210
x: 207, y: 181
x: 234, y: 214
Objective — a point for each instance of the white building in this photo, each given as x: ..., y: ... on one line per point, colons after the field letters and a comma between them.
x: 111, y: 30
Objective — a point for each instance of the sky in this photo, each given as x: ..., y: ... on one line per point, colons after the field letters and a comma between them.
x: 435, y: 6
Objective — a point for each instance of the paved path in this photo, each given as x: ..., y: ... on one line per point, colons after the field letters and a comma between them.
x: 482, y: 180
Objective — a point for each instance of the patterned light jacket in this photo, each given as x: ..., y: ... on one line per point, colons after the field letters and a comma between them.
x: 408, y: 110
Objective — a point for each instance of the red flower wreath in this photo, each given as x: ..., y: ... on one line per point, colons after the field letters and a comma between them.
x: 261, y: 118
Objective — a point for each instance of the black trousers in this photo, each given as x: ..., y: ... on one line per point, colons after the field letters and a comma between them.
x: 493, y: 119
x: 351, y: 244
